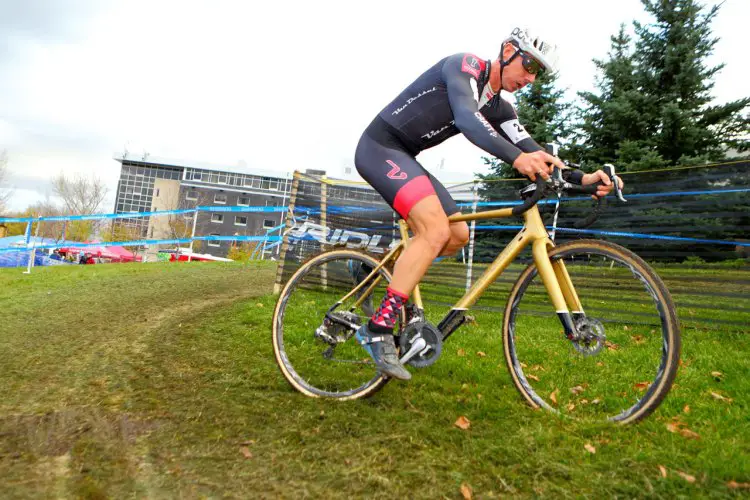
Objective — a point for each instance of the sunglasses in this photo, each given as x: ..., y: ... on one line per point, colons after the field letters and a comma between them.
x: 531, y: 65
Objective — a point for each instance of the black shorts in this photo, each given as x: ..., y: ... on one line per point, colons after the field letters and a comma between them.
x: 389, y: 167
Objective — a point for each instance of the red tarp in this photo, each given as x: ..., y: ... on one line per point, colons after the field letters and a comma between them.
x: 114, y: 254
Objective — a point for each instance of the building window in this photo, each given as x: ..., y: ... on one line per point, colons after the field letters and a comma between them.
x: 268, y: 223
x: 191, y: 195
x: 220, y: 198
x: 218, y: 218
x: 244, y: 200
x: 222, y: 179
x: 240, y: 220
x: 213, y: 243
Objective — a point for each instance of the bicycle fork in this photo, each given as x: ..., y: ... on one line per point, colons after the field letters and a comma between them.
x: 559, y: 287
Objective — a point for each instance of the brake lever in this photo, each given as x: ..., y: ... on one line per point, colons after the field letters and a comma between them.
x: 609, y: 169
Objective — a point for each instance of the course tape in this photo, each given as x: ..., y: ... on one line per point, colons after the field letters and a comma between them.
x: 629, y: 196
x: 620, y: 234
x: 140, y: 243
x: 135, y: 215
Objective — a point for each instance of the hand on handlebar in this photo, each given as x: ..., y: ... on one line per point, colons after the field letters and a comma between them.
x: 537, y: 163
x: 605, y: 188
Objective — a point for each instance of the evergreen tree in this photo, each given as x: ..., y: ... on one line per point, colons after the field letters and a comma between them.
x: 653, y: 106
x: 613, y: 122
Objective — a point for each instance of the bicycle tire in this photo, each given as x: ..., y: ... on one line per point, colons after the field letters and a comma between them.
x: 588, y: 251
x: 282, y: 321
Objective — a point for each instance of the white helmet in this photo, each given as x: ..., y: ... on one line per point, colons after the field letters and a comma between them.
x: 541, y: 50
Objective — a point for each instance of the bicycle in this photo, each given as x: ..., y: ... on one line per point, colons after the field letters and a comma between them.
x: 620, y: 352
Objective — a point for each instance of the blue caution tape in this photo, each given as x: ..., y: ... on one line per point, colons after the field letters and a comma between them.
x: 222, y: 208
x: 620, y: 234
x: 134, y: 215
x: 140, y: 243
x: 629, y: 196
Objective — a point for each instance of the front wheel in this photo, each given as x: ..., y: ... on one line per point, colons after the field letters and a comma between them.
x: 624, y: 358
x: 318, y: 357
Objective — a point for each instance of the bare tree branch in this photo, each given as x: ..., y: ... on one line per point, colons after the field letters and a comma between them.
x: 5, y: 191
x: 80, y: 195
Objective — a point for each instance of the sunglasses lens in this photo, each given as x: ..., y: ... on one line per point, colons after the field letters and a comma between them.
x: 531, y: 65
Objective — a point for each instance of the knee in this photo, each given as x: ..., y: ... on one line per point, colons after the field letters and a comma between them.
x: 459, y: 234
x: 438, y: 235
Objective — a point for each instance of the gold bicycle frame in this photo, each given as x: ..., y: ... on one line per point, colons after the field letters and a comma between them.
x: 554, y: 275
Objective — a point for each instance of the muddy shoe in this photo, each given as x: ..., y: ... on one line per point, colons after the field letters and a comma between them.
x: 382, y: 349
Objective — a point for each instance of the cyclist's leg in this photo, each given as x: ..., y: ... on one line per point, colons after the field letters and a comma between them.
x: 459, y: 230
x: 408, y: 188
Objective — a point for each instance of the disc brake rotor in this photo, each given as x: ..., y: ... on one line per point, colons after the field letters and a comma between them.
x: 591, y: 337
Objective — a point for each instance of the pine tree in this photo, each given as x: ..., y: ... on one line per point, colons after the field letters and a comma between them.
x: 613, y: 122
x: 653, y: 107
x: 671, y: 55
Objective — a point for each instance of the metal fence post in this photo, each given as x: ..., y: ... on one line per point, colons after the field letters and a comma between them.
x: 285, y: 235
x: 32, y: 254
x: 192, y: 235
x: 471, y: 236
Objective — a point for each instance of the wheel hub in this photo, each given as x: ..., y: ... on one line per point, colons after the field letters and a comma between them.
x: 591, y: 337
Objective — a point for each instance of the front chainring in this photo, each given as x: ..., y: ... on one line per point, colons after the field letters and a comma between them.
x: 430, y: 334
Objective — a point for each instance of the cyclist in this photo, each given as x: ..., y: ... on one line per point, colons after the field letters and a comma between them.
x: 459, y: 94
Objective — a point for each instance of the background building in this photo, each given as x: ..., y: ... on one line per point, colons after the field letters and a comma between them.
x: 149, y: 184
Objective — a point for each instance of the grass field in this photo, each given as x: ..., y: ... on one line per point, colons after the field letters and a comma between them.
x: 159, y: 381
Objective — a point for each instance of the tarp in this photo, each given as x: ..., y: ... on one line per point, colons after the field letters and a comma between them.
x: 113, y: 253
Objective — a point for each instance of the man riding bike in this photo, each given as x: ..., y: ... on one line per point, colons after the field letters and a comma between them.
x: 459, y: 94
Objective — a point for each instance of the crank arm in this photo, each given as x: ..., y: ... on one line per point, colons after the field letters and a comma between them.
x: 416, y: 348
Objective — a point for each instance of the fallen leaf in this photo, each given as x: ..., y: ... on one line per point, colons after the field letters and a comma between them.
x: 466, y: 491
x: 553, y: 396
x: 576, y: 390
x: 687, y: 433
x: 596, y: 401
x: 738, y: 486
x: 461, y: 352
x: 524, y: 366
x: 686, y: 409
x: 717, y: 374
x: 259, y: 305
x: 642, y: 386
x: 638, y: 339
x: 583, y: 402
x: 718, y: 396
x: 481, y: 354
x: 462, y: 423
x: 571, y: 407
x: 674, y: 426
x: 599, y: 363
x: 479, y: 396
x: 538, y: 368
x: 533, y: 377
x: 347, y: 461
x: 589, y: 448
x: 611, y: 346
x: 246, y: 452
x: 686, y: 477
x: 663, y: 471
x: 248, y: 442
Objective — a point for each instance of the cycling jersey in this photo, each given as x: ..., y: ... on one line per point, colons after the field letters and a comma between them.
x: 454, y: 96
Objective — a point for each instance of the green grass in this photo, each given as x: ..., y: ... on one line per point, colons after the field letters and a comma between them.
x: 159, y: 381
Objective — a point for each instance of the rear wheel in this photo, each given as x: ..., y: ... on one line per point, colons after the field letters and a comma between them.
x: 622, y: 364
x: 318, y: 357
